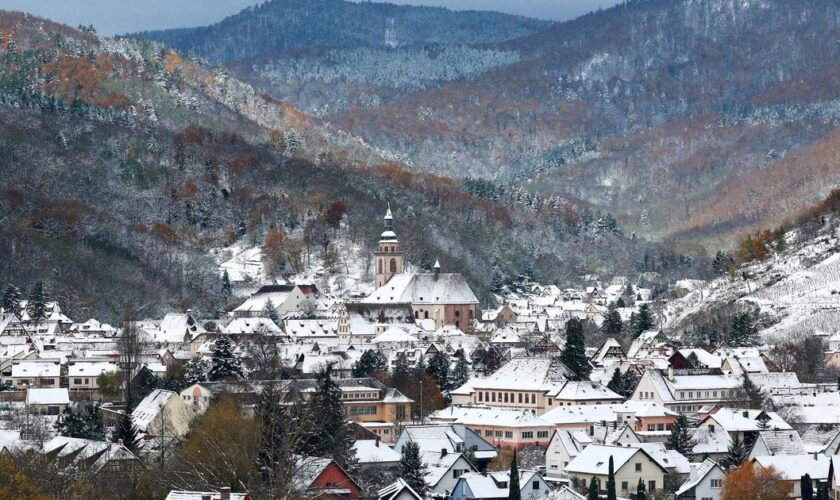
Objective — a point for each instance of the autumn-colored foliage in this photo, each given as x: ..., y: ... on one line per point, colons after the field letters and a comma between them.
x: 165, y: 232
x: 78, y: 79
x: 753, y: 482
x: 281, y: 253
x: 334, y: 213
x: 243, y: 163
x: 14, y: 483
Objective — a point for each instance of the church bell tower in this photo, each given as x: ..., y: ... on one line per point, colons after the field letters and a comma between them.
x: 389, y: 259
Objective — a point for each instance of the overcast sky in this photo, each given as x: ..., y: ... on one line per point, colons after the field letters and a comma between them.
x: 121, y: 16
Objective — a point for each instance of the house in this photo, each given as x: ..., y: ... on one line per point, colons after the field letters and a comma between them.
x: 174, y: 328
x: 687, y: 392
x: 705, y: 482
x: 285, y: 299
x: 399, y: 490
x: 526, y: 383
x: 373, y: 454
x: 322, y: 477
x: 711, y: 443
x: 162, y: 414
x: 496, y: 485
x: 93, y: 457
x: 222, y: 494
x: 245, y: 326
x: 609, y: 352
x: 443, y: 470
x: 197, y: 397
x: 777, y: 442
x: 364, y: 399
x: 834, y: 477
x: 500, y: 427
x: 308, y: 329
x: 561, y: 450
x: 585, y: 393
x: 36, y: 374
x: 47, y: 401
x: 455, y: 438
x: 743, y: 424
x: 630, y: 465
x: 83, y: 375
x: 793, y: 467
x: 361, y: 322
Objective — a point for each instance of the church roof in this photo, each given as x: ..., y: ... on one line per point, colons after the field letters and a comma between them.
x: 424, y: 288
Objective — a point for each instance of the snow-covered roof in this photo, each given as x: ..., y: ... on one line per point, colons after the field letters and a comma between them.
x: 393, y: 490
x: 148, y: 409
x: 47, y: 396
x: 494, y: 484
x: 90, y: 368
x: 696, y: 474
x: 710, y: 441
x: 482, y: 415
x: 739, y: 420
x: 394, y: 334
x: 37, y: 369
x: 424, y: 288
x: 93, y: 454
x: 311, y: 328
x: 526, y: 374
x: 594, y: 459
x: 779, y: 442
x: 793, y: 467
x: 373, y: 451
x: 201, y: 495
x: 251, y: 326
x: 586, y: 391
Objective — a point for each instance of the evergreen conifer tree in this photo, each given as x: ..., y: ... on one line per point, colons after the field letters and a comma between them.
x: 126, y: 432
x: 196, y: 370
x: 438, y: 369
x: 227, y: 289
x: 611, y: 493
x: 11, y: 300
x: 412, y: 469
x: 369, y: 362
x: 333, y: 437
x: 574, y: 352
x: 514, y: 492
x: 681, y: 439
x: 643, y: 321
x: 752, y: 394
x: 616, y: 382
x: 822, y: 491
x: 36, y: 305
x: 806, y: 487
x: 460, y: 374
x: 225, y: 362
x: 270, y: 311
x: 592, y: 492
x: 612, y: 324
x: 640, y: 491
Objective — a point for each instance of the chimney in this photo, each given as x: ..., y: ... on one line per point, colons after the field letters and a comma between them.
x: 224, y: 493
x: 746, y: 414
x: 670, y: 372
x: 377, y: 441
x: 591, y: 430
x: 443, y: 452
x: 437, y: 269
x: 816, y: 458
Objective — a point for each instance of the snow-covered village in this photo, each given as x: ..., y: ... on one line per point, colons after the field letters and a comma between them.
x: 419, y: 249
x: 404, y: 387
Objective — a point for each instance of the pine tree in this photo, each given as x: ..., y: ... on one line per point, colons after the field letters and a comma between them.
x: 806, y: 486
x: 227, y: 290
x: 752, y: 395
x: 369, y: 362
x: 225, y: 363
x: 822, y: 491
x: 592, y: 492
x: 643, y: 320
x: 612, y: 324
x: 611, y: 493
x: 11, y: 300
x: 402, y: 372
x: 460, y: 375
x: 514, y: 492
x: 196, y: 370
x: 125, y: 432
x: 640, y: 491
x: 36, y: 306
x: 270, y: 312
x: 86, y: 425
x: 438, y: 369
x: 333, y: 437
x: 412, y: 468
x: 681, y: 439
x: 574, y: 352
x: 616, y: 382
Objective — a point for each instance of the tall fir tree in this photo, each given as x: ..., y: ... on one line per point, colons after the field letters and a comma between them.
x: 36, y: 305
x: 227, y: 289
x: 125, y: 432
x: 369, y: 362
x: 514, y: 492
x: 611, y: 493
x: 196, y: 370
x: 616, y: 382
x: 11, y: 300
x: 735, y: 455
x: 806, y: 487
x: 460, y: 374
x: 822, y: 491
x: 270, y: 311
x: 681, y: 439
x: 752, y: 395
x: 612, y: 324
x: 574, y: 352
x: 592, y: 491
x: 643, y: 321
x: 225, y: 362
x: 87, y: 424
x: 412, y: 469
x: 438, y: 369
x: 333, y: 437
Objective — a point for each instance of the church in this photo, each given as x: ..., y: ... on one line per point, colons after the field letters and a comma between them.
x: 443, y: 298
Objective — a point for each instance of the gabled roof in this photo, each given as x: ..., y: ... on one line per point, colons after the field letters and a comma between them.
x: 793, y: 467
x: 86, y: 453
x: 779, y: 442
x: 594, y: 459
x: 424, y: 288
x: 526, y: 374
x: 145, y: 412
x: 47, y: 396
x: 586, y: 391
x: 698, y: 472
x: 374, y: 451
x: 738, y: 420
x: 395, y: 489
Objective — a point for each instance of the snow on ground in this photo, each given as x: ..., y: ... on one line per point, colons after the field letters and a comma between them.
x: 798, y: 290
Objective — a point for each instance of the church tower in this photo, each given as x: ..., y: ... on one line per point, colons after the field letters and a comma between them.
x: 389, y: 259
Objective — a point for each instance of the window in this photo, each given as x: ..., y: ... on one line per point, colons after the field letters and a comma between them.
x: 494, y: 396
x: 488, y: 433
x: 506, y: 397
x: 535, y: 485
x: 456, y: 473
x: 520, y: 397
x: 549, y: 401
x: 542, y: 434
x: 401, y: 412
x: 509, y: 434
x: 498, y: 434
x: 457, y: 314
x: 363, y: 410
x: 625, y: 486
x: 393, y: 265
x: 638, y: 467
x: 651, y: 427
x: 457, y: 324
x: 426, y: 314
x: 651, y: 485
x: 660, y: 427
x: 77, y: 381
x: 528, y: 435
x: 715, y: 483
x: 480, y: 398
x: 380, y: 266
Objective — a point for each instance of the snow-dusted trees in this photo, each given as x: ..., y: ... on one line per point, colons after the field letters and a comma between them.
x: 225, y: 362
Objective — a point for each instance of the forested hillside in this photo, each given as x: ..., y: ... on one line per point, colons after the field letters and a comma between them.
x: 124, y: 165
x: 277, y: 26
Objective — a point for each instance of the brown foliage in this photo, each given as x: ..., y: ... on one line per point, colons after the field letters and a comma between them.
x: 334, y: 213
x: 281, y: 253
x: 78, y: 79
x: 243, y: 163
x: 164, y: 232
x: 753, y: 482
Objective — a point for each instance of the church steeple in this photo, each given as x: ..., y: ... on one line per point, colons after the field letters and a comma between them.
x: 389, y: 259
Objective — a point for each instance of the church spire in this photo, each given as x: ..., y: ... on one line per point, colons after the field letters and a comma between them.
x: 389, y: 219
